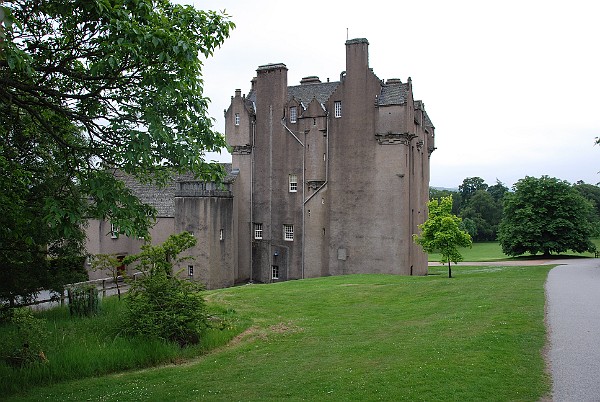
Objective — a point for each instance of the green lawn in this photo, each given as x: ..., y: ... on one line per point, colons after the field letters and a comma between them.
x: 491, y: 251
x: 478, y: 336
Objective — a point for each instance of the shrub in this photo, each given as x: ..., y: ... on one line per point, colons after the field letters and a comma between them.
x: 160, y: 304
x: 83, y: 300
x: 166, y: 307
x: 23, y: 343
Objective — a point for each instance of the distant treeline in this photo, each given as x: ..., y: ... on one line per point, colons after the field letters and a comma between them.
x: 481, y: 206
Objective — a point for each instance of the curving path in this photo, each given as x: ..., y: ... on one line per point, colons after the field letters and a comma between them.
x: 573, y: 320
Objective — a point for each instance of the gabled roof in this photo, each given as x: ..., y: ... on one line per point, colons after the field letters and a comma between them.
x: 305, y: 93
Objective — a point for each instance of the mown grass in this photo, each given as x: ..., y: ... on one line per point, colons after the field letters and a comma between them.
x: 478, y: 336
x: 491, y: 251
x: 92, y: 346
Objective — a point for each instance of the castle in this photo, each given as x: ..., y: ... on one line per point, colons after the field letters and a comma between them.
x: 327, y: 178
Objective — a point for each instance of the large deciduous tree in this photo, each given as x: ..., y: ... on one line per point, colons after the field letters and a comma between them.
x: 545, y: 215
x: 468, y: 188
x: 485, y: 213
x: 441, y: 232
x: 86, y: 87
x: 591, y: 193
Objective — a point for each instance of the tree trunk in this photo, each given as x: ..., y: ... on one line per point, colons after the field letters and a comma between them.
x: 449, y: 270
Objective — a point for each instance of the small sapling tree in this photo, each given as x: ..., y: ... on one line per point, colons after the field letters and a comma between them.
x: 112, y: 264
x: 441, y: 232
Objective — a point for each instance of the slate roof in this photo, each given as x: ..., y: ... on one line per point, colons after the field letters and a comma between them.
x: 251, y: 102
x: 163, y: 198
x: 393, y: 94
x: 419, y: 105
x: 305, y: 93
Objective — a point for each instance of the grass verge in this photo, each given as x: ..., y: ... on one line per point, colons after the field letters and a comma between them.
x: 478, y: 336
x: 491, y: 251
x: 92, y: 346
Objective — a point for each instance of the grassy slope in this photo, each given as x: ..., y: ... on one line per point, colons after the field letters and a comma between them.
x: 478, y: 336
x: 92, y: 346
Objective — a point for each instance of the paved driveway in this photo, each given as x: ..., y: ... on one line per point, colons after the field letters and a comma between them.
x: 573, y: 319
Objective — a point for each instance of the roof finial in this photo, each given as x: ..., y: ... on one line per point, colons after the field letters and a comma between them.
x: 347, y: 34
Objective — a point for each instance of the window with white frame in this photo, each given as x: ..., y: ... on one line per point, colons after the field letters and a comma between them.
x: 258, y: 231
x: 237, y: 119
x: 293, y: 179
x: 288, y: 232
x: 293, y: 114
x: 338, y: 108
x: 275, y: 272
x: 114, y: 231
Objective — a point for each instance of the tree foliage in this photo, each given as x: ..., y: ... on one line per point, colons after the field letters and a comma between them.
x: 485, y: 213
x: 479, y: 205
x: 441, y: 232
x: 86, y: 87
x: 545, y: 215
x: 591, y: 193
x: 469, y: 186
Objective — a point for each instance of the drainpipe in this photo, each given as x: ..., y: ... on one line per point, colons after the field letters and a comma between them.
x: 253, y: 123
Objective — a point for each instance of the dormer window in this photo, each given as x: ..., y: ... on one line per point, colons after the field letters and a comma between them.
x: 293, y: 114
x: 338, y: 108
x: 237, y: 119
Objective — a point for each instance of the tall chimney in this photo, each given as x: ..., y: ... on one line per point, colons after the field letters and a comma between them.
x: 357, y: 56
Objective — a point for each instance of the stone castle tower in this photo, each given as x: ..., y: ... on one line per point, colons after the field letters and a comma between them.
x: 333, y: 176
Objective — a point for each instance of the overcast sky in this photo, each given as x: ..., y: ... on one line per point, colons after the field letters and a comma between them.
x: 512, y: 87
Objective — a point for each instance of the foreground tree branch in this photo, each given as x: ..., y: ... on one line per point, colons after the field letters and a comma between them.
x: 88, y: 86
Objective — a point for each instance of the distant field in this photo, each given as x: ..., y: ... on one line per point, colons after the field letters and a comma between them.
x: 477, y: 337
x: 491, y: 251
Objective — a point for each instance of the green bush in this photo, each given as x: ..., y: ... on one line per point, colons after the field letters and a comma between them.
x: 83, y: 300
x: 166, y: 307
x: 22, y: 344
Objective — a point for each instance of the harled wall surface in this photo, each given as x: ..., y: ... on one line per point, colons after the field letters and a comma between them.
x: 363, y: 176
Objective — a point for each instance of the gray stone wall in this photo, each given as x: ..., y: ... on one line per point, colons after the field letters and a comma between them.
x: 210, y: 219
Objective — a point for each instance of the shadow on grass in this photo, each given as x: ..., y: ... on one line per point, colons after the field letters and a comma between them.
x: 548, y: 257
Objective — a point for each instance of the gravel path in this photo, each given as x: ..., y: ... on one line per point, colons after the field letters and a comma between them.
x: 573, y: 319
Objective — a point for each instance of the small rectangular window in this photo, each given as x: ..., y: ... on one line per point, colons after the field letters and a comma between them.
x: 114, y: 231
x: 221, y: 235
x: 293, y: 180
x: 288, y: 232
x: 190, y: 271
x: 338, y: 108
x: 237, y: 119
x: 293, y: 114
x: 258, y: 231
x: 275, y: 272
